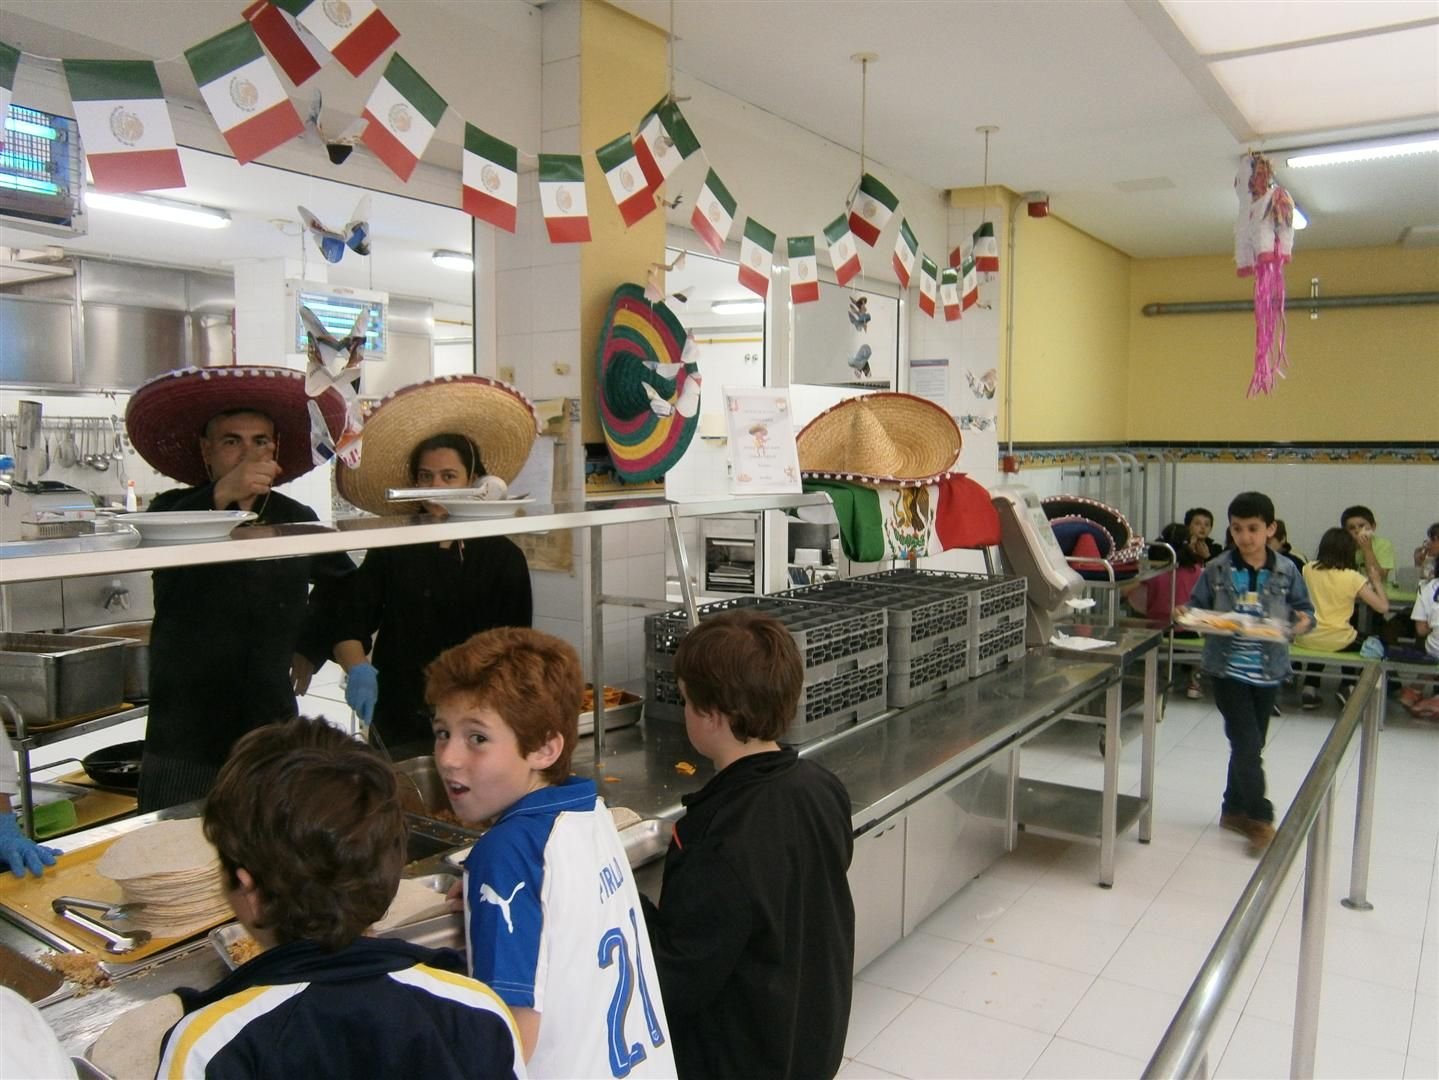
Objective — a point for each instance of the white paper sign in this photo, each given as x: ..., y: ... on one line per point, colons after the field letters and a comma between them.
x: 763, y: 458
x: 929, y: 379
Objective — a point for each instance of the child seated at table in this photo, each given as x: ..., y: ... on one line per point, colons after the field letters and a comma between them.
x: 1156, y: 598
x: 1334, y: 586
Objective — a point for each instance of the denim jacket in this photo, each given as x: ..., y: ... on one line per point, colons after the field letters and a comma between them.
x: 1283, y: 595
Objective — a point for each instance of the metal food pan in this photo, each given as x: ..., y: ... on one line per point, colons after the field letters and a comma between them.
x: 624, y: 714
x: 53, y: 678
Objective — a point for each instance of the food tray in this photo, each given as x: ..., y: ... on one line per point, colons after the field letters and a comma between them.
x: 1231, y: 624
x: 57, y: 678
x: 997, y: 645
x: 626, y: 713
x: 940, y: 669
x: 915, y: 616
x: 824, y: 633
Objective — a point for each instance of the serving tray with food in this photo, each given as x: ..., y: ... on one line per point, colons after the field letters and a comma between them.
x: 1230, y: 624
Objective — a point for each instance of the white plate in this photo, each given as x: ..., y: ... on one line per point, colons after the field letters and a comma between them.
x: 480, y: 508
x: 187, y: 526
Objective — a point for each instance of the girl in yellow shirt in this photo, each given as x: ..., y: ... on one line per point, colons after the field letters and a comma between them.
x: 1334, y: 585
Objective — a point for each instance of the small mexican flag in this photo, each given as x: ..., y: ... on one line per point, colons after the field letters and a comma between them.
x: 124, y: 124
x: 803, y: 270
x: 986, y: 249
x: 714, y: 213
x: 842, y: 250
x: 403, y: 112
x: 756, y: 256
x: 906, y: 250
x: 562, y: 198
x: 665, y: 140
x: 626, y: 179
x: 299, y: 55
x: 969, y: 285
x: 9, y: 61
x: 355, y: 31
x: 491, y: 183
x: 870, y: 212
x: 949, y: 293
x: 243, y: 92
x: 928, y: 285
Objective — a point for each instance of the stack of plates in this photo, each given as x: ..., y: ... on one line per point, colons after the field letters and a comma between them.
x: 175, y: 872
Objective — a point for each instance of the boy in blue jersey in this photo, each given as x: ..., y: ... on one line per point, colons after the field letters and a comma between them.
x: 311, y: 838
x: 1252, y: 579
x: 552, y: 916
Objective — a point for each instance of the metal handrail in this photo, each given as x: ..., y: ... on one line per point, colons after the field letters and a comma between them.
x: 1181, y: 1052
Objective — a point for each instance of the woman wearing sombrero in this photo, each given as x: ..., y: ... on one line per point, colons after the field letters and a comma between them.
x: 421, y: 599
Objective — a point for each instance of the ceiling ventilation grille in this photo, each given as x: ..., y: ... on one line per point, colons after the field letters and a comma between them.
x: 42, y: 173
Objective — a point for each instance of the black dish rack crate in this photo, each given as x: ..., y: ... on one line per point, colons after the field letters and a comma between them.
x: 997, y: 612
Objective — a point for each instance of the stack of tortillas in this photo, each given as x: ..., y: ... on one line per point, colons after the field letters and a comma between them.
x: 174, y: 871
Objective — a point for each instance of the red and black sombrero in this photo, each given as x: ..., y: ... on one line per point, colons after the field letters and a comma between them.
x: 167, y: 416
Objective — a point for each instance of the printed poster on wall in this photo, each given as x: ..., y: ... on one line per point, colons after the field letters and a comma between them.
x: 762, y: 454
x: 929, y: 379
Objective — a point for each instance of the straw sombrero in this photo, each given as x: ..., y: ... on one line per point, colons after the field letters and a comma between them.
x: 167, y: 416
x: 880, y: 440
x: 496, y: 417
x: 643, y: 344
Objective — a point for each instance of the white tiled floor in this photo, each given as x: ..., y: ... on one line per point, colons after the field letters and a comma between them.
x: 1032, y: 970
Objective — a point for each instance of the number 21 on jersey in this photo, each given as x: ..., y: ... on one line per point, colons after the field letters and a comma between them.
x: 615, y: 950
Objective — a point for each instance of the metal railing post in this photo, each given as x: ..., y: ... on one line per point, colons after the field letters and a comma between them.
x: 597, y: 635
x: 1358, y: 898
x: 1311, y: 942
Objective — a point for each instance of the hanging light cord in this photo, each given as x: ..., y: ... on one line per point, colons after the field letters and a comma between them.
x: 985, y: 201
x: 672, y: 50
x: 863, y: 110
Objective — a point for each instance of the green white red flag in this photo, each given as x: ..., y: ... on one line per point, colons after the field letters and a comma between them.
x: 403, y: 112
x: 244, y: 94
x: 756, y: 257
x: 490, y: 178
x: 714, y: 213
x: 803, y: 270
x: 299, y: 55
x: 986, y: 249
x: 928, y: 285
x: 843, y: 253
x: 871, y: 210
x: 969, y: 284
x: 949, y: 293
x: 664, y: 141
x: 906, y: 250
x: 9, y: 61
x: 626, y: 179
x: 124, y: 125
x: 355, y: 32
x: 562, y: 198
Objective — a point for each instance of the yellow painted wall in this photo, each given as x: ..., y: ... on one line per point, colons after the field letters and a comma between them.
x: 623, y: 72
x: 1368, y: 373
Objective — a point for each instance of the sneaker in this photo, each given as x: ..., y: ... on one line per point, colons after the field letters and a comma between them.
x: 1342, y: 695
x: 1309, y: 699
x: 1235, y: 823
x: 1260, y: 834
x: 1192, y: 690
x: 1275, y: 711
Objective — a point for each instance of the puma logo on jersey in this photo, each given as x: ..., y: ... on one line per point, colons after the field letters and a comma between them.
x: 489, y: 896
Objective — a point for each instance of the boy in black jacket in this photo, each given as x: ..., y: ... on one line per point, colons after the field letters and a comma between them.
x: 754, y: 934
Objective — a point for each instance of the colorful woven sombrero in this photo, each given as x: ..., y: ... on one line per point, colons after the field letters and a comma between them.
x: 643, y: 345
x: 167, y: 416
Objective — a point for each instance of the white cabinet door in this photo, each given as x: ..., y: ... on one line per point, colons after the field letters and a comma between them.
x: 951, y: 835
x: 876, y: 881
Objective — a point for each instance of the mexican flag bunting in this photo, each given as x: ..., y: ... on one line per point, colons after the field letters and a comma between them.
x: 842, y: 250
x: 626, y: 179
x: 906, y: 250
x: 124, y: 124
x: 969, y: 286
x: 986, y: 249
x: 562, y: 198
x: 928, y: 285
x: 756, y: 256
x: 298, y: 54
x: 664, y: 141
x: 714, y: 213
x: 403, y: 112
x: 949, y: 292
x: 803, y: 270
x: 870, y: 212
x: 355, y: 31
x: 243, y: 92
x: 490, y: 179
x: 9, y: 61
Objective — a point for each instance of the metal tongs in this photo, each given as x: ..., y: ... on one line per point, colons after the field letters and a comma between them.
x: 116, y: 941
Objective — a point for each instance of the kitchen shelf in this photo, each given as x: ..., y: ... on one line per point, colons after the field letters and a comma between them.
x: 1070, y: 813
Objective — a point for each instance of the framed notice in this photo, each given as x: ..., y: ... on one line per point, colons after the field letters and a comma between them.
x: 762, y: 454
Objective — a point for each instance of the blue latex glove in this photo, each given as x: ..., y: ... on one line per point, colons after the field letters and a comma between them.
x: 20, y: 851
x: 362, y: 690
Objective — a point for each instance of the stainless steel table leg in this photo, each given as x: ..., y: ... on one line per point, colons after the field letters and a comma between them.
x: 1011, y: 813
x: 1109, y: 813
x: 1151, y: 718
x: 597, y: 635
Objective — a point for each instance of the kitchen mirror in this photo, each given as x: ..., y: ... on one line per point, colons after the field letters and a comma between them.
x: 828, y: 337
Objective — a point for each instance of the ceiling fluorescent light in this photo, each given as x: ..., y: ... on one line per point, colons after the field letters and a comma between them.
x: 454, y: 260
x: 157, y: 209
x: 1300, y: 221
x: 737, y: 307
x: 1426, y: 142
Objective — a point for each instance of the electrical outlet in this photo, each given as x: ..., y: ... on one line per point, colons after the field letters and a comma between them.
x: 507, y: 374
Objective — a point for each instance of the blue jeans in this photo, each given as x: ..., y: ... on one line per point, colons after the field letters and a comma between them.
x: 1246, y: 709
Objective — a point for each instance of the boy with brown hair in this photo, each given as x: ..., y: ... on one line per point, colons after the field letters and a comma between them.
x: 552, y: 916
x: 754, y: 933
x: 311, y: 838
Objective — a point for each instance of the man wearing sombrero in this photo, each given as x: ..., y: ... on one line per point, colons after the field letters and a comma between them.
x: 226, y: 636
